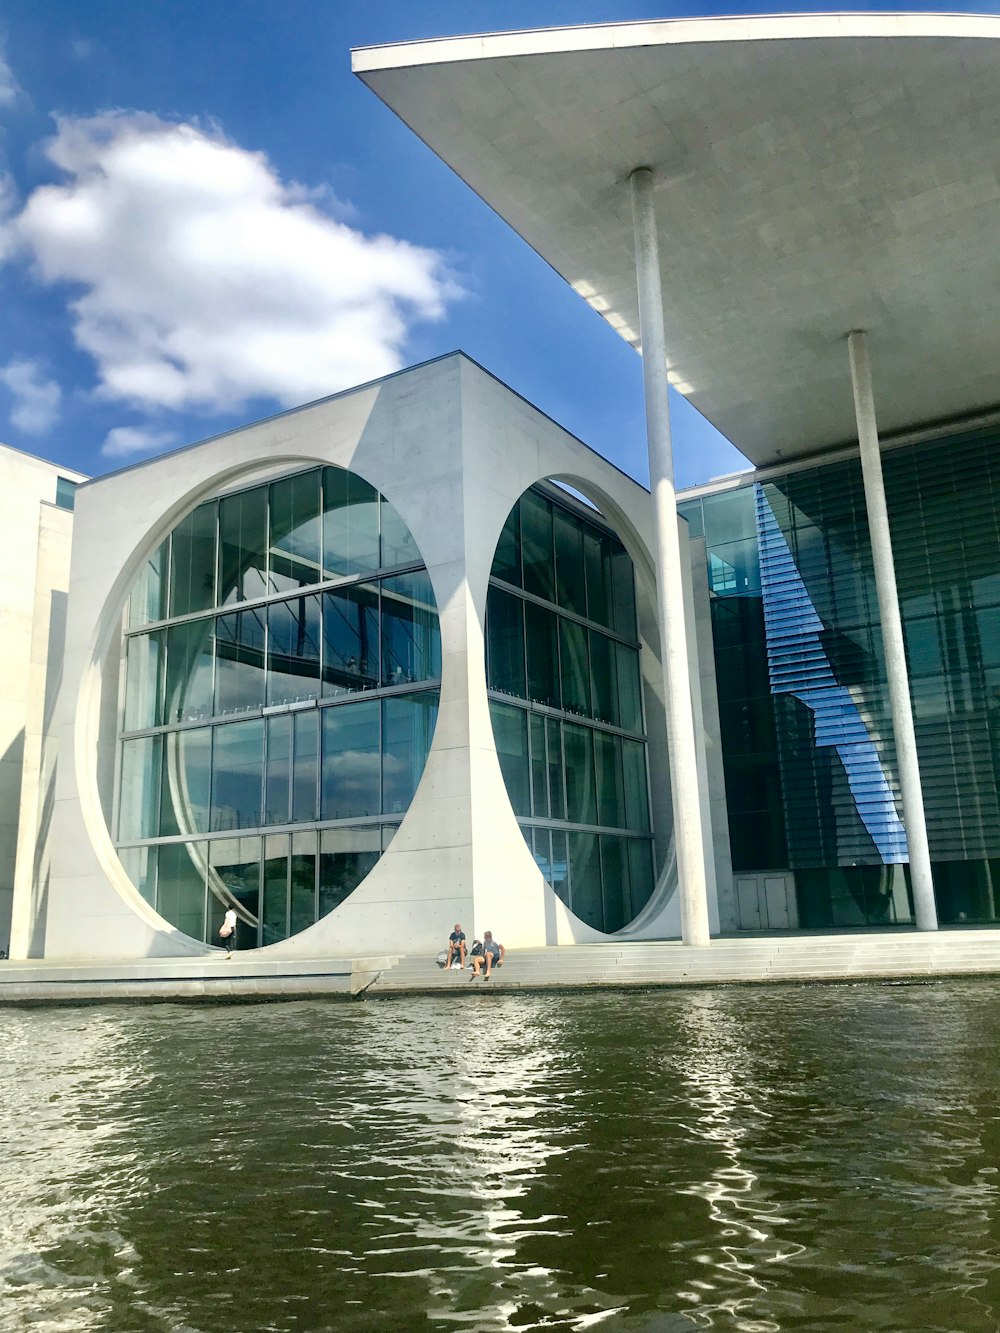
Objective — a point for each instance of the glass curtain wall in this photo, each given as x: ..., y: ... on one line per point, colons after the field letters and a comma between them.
x: 282, y: 665
x: 566, y: 704
x: 807, y: 742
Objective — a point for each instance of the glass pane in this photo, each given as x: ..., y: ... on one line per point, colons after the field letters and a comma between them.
x: 731, y: 517
x: 148, y: 599
x: 237, y: 770
x: 347, y: 855
x: 192, y: 562
x: 603, y: 666
x: 295, y: 533
x: 560, y: 865
x: 574, y: 667
x: 571, y: 585
x: 350, y: 524
x: 184, y: 787
x: 278, y: 770
x: 140, y: 865
x: 541, y: 640
x: 411, y: 640
x: 140, y: 789
x: 510, y: 733
x: 536, y: 546
x: 597, y: 562
x: 539, y: 769
x: 507, y: 561
x: 398, y: 547
x: 585, y: 879
x: 636, y: 791
x: 614, y: 872
x: 350, y: 774
x: 407, y: 730
x: 187, y: 693
x: 293, y: 634
x: 641, y: 882
x: 144, y: 681
x: 538, y: 841
x: 274, y: 912
x: 302, y: 879
x: 305, y: 768
x: 581, y: 793
x: 234, y: 881
x: 629, y: 688
x: 623, y: 592
x: 610, y: 780
x: 180, y: 886
x: 505, y: 642
x: 239, y: 662
x: 350, y: 639
x: 554, y: 762
x: 243, y: 546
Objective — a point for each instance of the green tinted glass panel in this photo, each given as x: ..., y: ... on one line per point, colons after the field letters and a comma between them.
x: 237, y: 772
x: 293, y: 650
x: 407, y: 730
x: 243, y: 546
x: 138, y: 807
x: 295, y: 533
x: 536, y: 546
x: 541, y: 630
x: 586, y: 899
x: 239, y: 661
x: 186, y: 781
x: 411, y: 640
x: 507, y: 561
x: 346, y: 856
x: 574, y: 667
x: 571, y: 584
x: 144, y: 681
x: 510, y: 732
x: 192, y: 562
x: 188, y: 677
x: 505, y: 642
x: 581, y: 782
x: 180, y: 886
x: 351, y: 769
x: 350, y: 524
x: 398, y: 546
x: 350, y: 639
x: 274, y: 908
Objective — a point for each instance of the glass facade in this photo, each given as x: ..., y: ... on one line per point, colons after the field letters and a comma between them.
x: 282, y: 670
x: 566, y: 703
x: 809, y: 761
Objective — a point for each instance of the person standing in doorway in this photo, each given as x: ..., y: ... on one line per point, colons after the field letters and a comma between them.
x: 227, y: 931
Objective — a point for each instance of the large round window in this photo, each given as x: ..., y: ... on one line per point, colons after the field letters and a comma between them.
x: 567, y: 706
x: 281, y: 689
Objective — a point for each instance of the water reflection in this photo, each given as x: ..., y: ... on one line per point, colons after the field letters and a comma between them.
x: 733, y: 1160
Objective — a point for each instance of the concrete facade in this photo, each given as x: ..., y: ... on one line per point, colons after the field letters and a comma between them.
x: 34, y: 569
x: 453, y: 450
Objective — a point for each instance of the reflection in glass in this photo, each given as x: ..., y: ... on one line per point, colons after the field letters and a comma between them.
x: 180, y: 886
x: 575, y: 667
x: 536, y: 546
x: 237, y: 766
x: 554, y: 763
x: 302, y: 882
x: 243, y: 546
x: 144, y: 681
x: 411, y: 640
x: 629, y: 688
x: 510, y: 732
x: 507, y: 561
x: 611, y: 811
x: 278, y: 770
x: 539, y: 767
x: 407, y: 730
x: 140, y: 789
x: 350, y: 772
x: 192, y: 562
x: 614, y: 874
x: 350, y: 639
x: 585, y: 878
x: 148, y: 599
x: 305, y: 767
x: 239, y: 662
x: 398, y: 546
x: 571, y: 587
x: 623, y: 593
x: 346, y: 856
x: 581, y: 793
x: 597, y: 562
x: 184, y: 788
x: 139, y: 864
x: 187, y: 693
x: 603, y: 666
x: 541, y: 636
x: 350, y: 524
x: 274, y: 909
x: 293, y: 636
x: 505, y: 643
x: 234, y: 881
x: 636, y: 787
x: 295, y: 532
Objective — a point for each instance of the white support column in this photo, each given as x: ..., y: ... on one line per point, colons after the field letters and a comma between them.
x: 688, y: 835
x: 892, y: 634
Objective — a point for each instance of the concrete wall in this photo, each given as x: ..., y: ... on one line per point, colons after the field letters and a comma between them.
x: 453, y: 450
x: 31, y: 568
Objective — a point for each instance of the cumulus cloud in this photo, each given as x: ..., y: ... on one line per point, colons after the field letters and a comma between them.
x: 36, y: 399
x: 207, y: 281
x: 8, y: 84
x: 126, y: 441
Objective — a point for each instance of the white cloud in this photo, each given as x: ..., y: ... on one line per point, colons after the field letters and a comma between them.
x: 124, y: 441
x: 36, y: 400
x: 208, y: 281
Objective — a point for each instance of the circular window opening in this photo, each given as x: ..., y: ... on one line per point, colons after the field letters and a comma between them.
x: 283, y: 662
x: 565, y: 688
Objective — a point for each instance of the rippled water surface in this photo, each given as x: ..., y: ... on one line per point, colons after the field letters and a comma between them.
x: 752, y: 1159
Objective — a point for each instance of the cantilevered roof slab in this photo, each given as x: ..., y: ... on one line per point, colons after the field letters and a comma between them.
x: 816, y: 174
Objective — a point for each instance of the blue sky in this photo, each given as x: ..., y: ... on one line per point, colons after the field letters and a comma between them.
x: 204, y: 218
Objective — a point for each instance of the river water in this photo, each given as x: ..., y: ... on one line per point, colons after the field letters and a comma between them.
x: 735, y: 1159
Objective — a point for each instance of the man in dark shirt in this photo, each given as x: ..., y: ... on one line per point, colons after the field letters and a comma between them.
x: 456, y: 946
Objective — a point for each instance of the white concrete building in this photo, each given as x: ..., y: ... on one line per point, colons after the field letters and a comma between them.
x: 293, y: 653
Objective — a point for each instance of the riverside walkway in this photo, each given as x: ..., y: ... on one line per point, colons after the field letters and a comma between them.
x: 854, y: 956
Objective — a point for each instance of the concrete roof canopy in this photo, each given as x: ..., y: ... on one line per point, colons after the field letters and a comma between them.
x: 815, y: 174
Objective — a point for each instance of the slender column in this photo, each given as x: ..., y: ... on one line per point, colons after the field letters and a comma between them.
x: 688, y: 835
x: 892, y: 634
